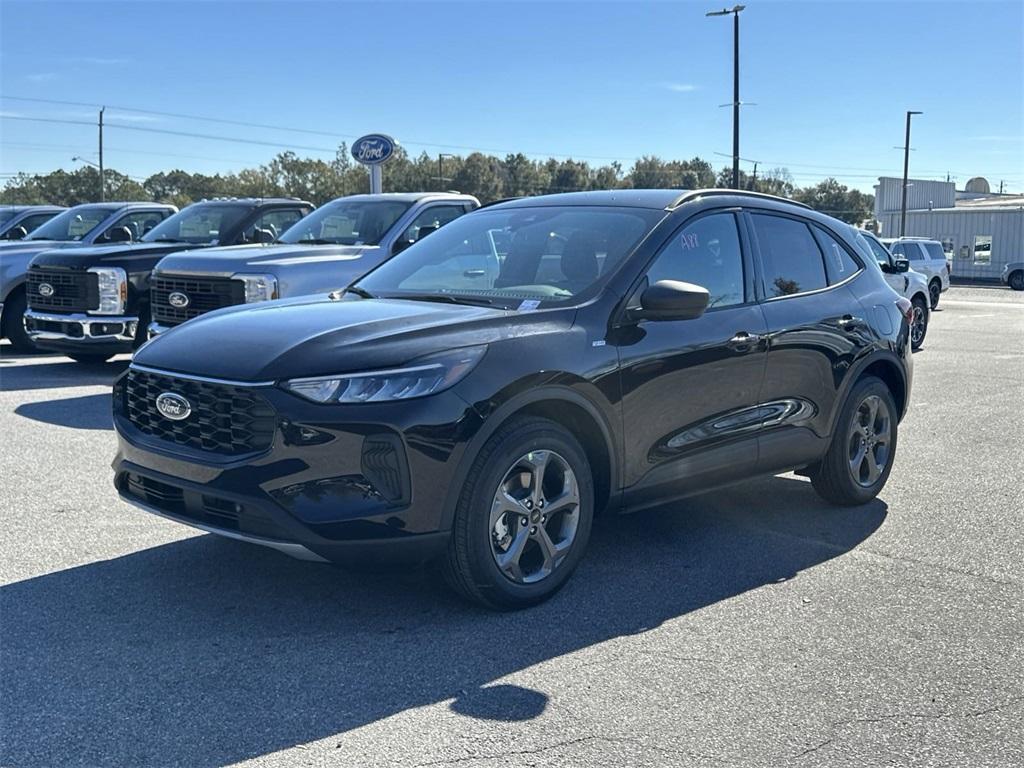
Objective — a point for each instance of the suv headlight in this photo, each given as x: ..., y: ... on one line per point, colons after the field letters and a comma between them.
x: 426, y: 376
x: 113, y: 284
x: 258, y: 287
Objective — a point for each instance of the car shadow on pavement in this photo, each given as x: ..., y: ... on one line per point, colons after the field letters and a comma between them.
x: 53, y: 375
x: 205, y: 651
x: 86, y: 412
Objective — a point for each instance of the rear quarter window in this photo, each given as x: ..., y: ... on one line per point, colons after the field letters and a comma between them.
x: 934, y: 251
x: 839, y: 264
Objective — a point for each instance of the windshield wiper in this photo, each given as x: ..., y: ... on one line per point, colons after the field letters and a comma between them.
x: 317, y: 241
x: 361, y: 292
x: 445, y: 297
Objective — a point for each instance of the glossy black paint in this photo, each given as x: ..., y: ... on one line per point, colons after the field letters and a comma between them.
x: 138, y: 259
x: 663, y: 408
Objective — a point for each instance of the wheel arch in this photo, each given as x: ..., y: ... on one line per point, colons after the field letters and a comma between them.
x: 10, y: 292
x: 565, y: 407
x: 887, y: 367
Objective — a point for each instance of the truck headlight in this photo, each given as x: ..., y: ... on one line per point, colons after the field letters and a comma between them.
x: 426, y: 376
x: 258, y: 287
x: 113, y: 285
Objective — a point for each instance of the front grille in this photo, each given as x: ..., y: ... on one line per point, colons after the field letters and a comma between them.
x: 224, y: 419
x: 204, y: 294
x: 214, y: 511
x: 72, y: 291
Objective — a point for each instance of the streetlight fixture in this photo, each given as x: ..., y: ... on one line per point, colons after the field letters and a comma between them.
x: 906, y: 169
x: 77, y: 159
x: 440, y: 168
x: 735, y: 11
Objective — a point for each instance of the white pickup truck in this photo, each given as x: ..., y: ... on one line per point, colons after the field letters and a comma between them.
x: 928, y: 258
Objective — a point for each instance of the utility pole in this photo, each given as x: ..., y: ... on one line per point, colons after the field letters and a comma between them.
x: 906, y: 171
x: 103, y: 191
x: 753, y: 188
x: 440, y: 169
x: 735, y: 11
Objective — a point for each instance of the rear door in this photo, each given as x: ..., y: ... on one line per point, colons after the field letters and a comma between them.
x: 816, y: 328
x: 690, y: 388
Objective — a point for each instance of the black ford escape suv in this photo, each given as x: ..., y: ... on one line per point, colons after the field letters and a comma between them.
x: 480, y: 396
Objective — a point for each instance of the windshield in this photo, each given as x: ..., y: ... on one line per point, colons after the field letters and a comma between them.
x: 514, y: 256
x: 199, y: 224
x: 73, y: 224
x: 347, y: 222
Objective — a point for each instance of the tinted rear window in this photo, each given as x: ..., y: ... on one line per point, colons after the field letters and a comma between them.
x: 935, y: 250
x: 792, y: 260
x: 838, y: 262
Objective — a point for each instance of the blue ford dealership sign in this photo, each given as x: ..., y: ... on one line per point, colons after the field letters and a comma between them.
x: 373, y: 149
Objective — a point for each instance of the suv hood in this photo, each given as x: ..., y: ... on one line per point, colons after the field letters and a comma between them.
x: 309, y: 336
x: 128, y: 256
x: 264, y: 258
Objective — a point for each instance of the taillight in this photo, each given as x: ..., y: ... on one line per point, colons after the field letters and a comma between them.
x: 906, y: 309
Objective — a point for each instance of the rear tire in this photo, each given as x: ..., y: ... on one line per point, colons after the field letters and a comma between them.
x: 516, y: 539
x: 919, y: 324
x: 14, y: 324
x: 84, y: 359
x: 934, y: 292
x: 863, y: 447
x: 1017, y: 280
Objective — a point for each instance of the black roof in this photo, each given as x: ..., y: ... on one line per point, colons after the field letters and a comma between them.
x: 662, y: 199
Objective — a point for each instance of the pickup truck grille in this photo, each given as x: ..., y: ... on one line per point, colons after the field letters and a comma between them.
x: 225, y: 419
x: 68, y: 291
x: 204, y: 294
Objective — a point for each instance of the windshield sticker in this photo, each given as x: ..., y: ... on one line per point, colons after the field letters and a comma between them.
x: 528, y: 305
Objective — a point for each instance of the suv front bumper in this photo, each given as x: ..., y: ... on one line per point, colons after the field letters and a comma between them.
x: 80, y: 332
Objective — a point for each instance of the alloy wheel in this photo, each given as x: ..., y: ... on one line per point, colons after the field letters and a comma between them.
x: 534, y: 517
x: 917, y: 325
x: 870, y: 440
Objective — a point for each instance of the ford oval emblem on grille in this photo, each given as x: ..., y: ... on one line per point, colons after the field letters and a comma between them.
x: 172, y: 406
x: 178, y: 299
x: 45, y: 289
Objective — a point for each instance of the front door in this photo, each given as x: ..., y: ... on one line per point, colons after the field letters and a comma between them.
x: 690, y: 388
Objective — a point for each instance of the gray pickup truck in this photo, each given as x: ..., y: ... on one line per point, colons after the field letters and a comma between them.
x: 325, y: 251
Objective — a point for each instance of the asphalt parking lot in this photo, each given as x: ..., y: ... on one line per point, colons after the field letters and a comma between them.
x: 750, y: 627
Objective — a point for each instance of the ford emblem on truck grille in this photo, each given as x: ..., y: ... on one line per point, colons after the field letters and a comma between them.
x: 178, y: 300
x: 172, y: 406
x: 45, y: 289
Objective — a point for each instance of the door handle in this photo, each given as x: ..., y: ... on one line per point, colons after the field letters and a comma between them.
x: 850, y: 323
x: 744, y: 341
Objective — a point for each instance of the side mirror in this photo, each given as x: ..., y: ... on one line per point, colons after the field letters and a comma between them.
x: 902, y: 265
x: 118, y: 235
x: 671, y: 300
x: 261, y: 235
x: 424, y: 231
x: 16, y: 233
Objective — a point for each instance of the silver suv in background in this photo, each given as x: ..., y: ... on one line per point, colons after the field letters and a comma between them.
x: 928, y: 258
x: 339, y: 242
x: 902, y: 279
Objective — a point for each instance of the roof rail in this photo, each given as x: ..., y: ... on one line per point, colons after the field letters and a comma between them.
x: 501, y: 200
x: 698, y: 193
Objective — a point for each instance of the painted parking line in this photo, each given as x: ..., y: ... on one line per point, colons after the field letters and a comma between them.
x: 992, y: 304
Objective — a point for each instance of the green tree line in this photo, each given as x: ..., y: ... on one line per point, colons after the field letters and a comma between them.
x: 486, y: 176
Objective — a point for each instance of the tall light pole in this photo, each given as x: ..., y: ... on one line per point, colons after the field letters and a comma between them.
x: 440, y: 168
x: 103, y: 186
x: 735, y: 11
x: 906, y: 170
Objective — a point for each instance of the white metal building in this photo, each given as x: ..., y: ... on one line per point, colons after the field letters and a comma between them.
x: 980, y: 232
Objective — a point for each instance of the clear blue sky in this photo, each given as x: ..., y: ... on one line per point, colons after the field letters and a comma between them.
x: 593, y: 80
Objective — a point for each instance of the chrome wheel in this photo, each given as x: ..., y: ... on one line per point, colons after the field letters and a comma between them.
x: 870, y: 441
x: 917, y: 325
x: 534, y: 517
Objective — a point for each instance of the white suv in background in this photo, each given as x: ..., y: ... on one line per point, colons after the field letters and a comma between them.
x: 906, y: 282
x: 928, y: 258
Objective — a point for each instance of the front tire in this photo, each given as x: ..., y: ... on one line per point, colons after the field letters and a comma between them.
x: 918, y: 323
x: 863, y: 447
x: 1017, y: 280
x: 934, y: 292
x: 524, y: 516
x: 14, y: 324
